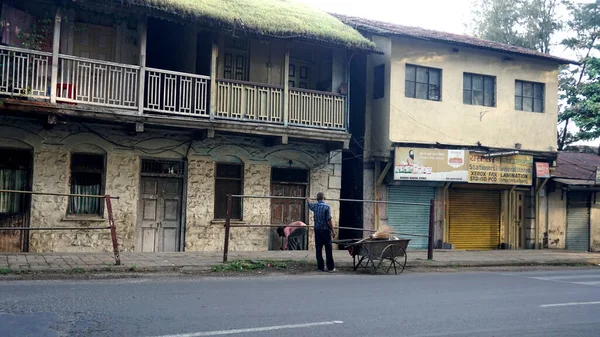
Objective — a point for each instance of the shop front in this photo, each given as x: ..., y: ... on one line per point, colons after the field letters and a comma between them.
x: 476, y: 191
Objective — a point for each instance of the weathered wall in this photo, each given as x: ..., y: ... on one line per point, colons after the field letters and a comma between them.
x: 51, y: 173
x: 451, y: 121
x: 557, y: 219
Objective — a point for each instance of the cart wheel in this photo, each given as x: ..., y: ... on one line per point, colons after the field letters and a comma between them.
x: 393, y: 253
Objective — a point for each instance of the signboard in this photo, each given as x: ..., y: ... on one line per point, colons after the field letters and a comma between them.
x: 430, y: 164
x: 511, y: 170
x: 542, y: 170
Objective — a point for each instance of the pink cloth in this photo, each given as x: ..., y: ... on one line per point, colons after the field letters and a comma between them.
x: 289, y: 229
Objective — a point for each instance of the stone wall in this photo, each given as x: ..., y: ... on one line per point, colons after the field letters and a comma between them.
x: 124, y: 151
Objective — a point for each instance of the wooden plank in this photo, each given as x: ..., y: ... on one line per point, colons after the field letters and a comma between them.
x: 55, y: 52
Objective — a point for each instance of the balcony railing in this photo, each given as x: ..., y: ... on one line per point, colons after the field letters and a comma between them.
x: 249, y: 101
x: 317, y: 109
x: 97, y: 82
x: 27, y: 73
x: 24, y: 72
x: 172, y: 92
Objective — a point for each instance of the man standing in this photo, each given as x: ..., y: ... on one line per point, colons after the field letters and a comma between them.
x: 323, y: 231
x: 294, y: 234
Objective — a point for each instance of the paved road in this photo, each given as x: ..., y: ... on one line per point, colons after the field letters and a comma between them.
x: 550, y: 303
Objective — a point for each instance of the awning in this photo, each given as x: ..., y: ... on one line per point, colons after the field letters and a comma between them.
x: 578, y: 184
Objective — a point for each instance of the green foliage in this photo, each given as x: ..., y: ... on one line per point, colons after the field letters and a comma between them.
x: 580, y: 87
x: 523, y: 23
x: 286, y: 18
x: 247, y: 265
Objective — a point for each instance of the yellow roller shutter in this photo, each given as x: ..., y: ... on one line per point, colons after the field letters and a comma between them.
x: 474, y: 219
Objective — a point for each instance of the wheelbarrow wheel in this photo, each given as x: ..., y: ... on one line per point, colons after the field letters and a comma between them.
x: 396, y: 255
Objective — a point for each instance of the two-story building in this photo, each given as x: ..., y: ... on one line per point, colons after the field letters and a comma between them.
x: 170, y: 105
x: 461, y: 121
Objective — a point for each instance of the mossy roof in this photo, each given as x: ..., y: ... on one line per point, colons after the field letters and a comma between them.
x: 275, y: 18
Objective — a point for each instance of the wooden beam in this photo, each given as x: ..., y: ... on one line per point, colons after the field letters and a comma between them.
x: 286, y: 85
x: 143, y: 38
x: 22, y: 107
x: 213, y: 79
x: 55, y: 52
x: 384, y: 173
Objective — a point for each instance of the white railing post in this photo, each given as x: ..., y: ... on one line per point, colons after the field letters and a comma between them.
x: 143, y: 31
x: 213, y: 80
x: 55, y: 51
x: 286, y: 86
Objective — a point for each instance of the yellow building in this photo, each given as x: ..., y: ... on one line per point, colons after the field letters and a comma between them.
x: 465, y: 122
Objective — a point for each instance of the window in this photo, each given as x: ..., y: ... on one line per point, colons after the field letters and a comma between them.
x: 529, y: 96
x: 87, y: 177
x: 228, y: 180
x: 479, y: 89
x: 379, y: 82
x: 423, y: 82
x: 14, y: 175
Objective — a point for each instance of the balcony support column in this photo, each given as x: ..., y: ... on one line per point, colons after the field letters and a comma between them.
x: 55, y: 52
x: 286, y: 86
x: 143, y: 38
x: 213, y: 78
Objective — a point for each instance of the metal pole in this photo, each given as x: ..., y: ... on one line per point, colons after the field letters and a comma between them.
x: 431, y: 230
x: 58, y: 194
x: 227, y: 228
x: 113, y: 231
x: 341, y: 200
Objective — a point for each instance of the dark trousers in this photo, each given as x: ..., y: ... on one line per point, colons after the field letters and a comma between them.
x: 323, y: 238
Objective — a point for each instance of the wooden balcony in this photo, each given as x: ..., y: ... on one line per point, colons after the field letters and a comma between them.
x: 81, y: 82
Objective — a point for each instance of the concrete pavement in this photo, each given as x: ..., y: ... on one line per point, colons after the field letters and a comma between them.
x: 551, y: 304
x: 202, y: 261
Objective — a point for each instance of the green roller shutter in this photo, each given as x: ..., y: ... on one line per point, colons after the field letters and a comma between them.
x: 410, y: 219
x: 578, y: 221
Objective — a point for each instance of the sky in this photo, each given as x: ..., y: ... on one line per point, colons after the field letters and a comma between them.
x: 444, y: 15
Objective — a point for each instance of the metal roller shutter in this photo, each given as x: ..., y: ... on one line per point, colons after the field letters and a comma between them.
x: 410, y: 219
x: 474, y: 219
x: 578, y: 221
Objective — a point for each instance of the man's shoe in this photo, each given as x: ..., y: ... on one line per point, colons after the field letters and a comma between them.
x: 332, y: 270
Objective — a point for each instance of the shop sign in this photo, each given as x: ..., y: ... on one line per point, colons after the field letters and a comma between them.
x: 509, y: 170
x: 430, y: 164
x: 542, y: 170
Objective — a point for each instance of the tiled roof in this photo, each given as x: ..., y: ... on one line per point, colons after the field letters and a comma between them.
x: 575, y: 165
x: 386, y: 28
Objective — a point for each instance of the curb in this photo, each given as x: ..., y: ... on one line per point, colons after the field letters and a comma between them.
x: 125, y: 271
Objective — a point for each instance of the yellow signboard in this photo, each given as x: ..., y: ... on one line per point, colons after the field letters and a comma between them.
x: 511, y: 170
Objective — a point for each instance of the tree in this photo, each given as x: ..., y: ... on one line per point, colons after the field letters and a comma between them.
x: 524, y: 23
x: 580, y: 87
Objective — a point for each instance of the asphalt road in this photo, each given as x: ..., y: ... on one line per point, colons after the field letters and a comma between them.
x: 550, y: 303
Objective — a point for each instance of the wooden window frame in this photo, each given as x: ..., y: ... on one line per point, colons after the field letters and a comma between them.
x: 102, y: 172
x: 236, y: 202
x: 413, y: 82
x: 521, y: 98
x: 484, y: 89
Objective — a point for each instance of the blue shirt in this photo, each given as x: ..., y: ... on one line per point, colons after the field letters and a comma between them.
x: 322, y: 214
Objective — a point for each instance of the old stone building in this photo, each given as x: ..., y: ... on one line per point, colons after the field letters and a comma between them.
x: 107, y: 103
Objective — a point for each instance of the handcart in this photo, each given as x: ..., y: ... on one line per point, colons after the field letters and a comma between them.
x: 377, y: 253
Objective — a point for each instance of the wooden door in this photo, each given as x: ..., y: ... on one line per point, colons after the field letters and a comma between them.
x: 159, y: 219
x: 95, y: 42
x: 285, y: 211
x: 299, y: 75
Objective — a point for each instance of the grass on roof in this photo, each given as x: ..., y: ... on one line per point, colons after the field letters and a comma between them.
x: 279, y: 18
